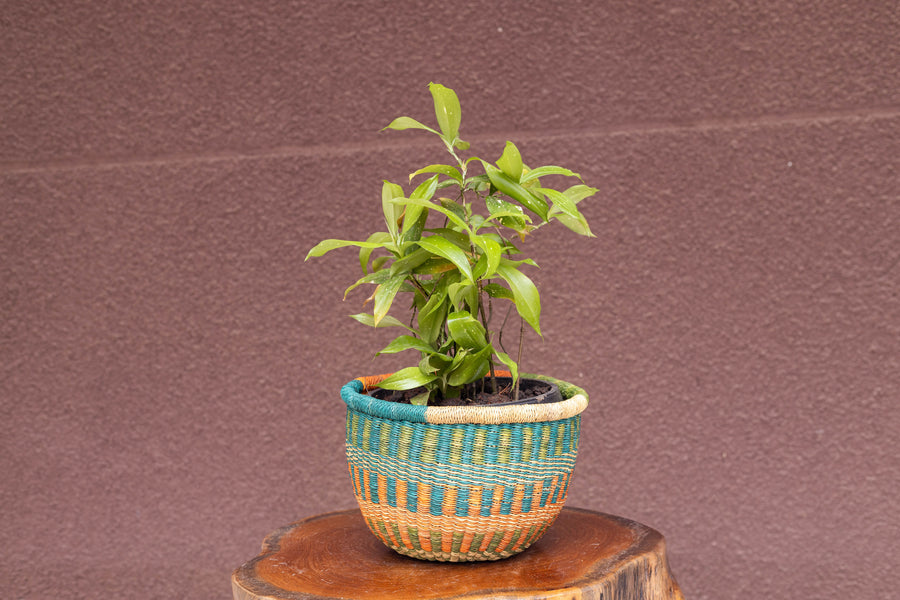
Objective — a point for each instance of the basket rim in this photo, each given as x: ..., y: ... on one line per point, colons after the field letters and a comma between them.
x: 575, y: 400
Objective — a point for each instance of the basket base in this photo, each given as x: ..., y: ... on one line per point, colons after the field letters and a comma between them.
x: 443, y: 540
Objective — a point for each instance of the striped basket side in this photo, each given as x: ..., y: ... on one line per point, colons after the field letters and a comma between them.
x: 458, y: 491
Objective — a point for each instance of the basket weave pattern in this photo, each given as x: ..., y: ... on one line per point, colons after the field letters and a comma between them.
x: 459, y: 491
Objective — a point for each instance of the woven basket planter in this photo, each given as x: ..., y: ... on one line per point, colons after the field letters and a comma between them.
x: 460, y: 483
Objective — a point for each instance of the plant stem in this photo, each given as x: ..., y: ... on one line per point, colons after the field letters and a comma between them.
x: 484, y: 322
x: 519, y: 358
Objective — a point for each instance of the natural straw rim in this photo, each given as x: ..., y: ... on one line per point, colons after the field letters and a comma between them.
x: 575, y: 400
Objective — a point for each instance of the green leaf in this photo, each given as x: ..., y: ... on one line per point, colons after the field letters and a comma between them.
x: 455, y: 207
x: 507, y: 186
x: 409, y: 262
x: 463, y: 295
x: 525, y: 293
x: 434, y: 266
x: 435, y: 207
x: 549, y: 170
x: 458, y: 238
x: 413, y: 225
x: 466, y: 330
x: 416, y: 214
x: 384, y: 296
x: 329, y: 245
x: 470, y: 367
x: 420, y: 399
x: 447, y: 111
x: 577, y: 193
x: 446, y: 249
x: 379, y: 262
x: 431, y: 323
x: 567, y: 213
x: 492, y: 252
x: 386, y: 321
x: 405, y: 342
x: 509, y: 214
x: 438, y: 295
x: 510, y: 162
x: 441, y: 169
x: 407, y: 379
x: 513, y: 366
x: 425, y: 190
x: 366, y: 253
x: 377, y: 277
x: 495, y: 290
x: 392, y: 211
x: 401, y: 123
x: 435, y: 362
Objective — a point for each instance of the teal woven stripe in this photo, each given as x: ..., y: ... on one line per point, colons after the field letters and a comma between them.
x: 444, y: 445
x: 506, y: 502
x: 391, y: 486
x: 458, y: 444
x: 528, y: 498
x: 487, y: 499
x: 437, y: 500
x: 373, y: 487
x: 412, y: 496
x: 551, y: 448
x: 545, y: 493
x: 394, y: 439
x: 352, y: 394
x: 462, y: 501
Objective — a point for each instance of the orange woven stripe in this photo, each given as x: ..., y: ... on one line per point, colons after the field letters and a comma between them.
x: 518, y: 495
x: 536, y: 494
x: 401, y: 493
x: 372, y: 381
x: 424, y: 505
x: 486, y: 541
x: 449, y: 506
x: 475, y: 501
x: 425, y: 539
x: 498, y: 500
x: 466, y: 542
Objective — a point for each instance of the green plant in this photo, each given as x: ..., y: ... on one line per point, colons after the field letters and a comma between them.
x: 457, y: 268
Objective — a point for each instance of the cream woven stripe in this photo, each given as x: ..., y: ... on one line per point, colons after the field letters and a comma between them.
x: 517, y: 413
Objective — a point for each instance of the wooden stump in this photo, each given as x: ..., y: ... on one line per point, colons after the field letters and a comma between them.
x: 585, y: 555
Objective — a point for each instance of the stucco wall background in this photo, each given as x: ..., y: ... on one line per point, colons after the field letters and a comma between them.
x: 169, y: 366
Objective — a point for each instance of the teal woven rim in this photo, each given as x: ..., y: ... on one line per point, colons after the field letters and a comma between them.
x: 353, y: 394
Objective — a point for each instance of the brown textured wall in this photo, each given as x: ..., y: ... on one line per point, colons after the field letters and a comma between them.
x: 169, y: 366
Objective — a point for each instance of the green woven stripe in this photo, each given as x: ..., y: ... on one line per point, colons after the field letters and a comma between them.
x: 495, y: 540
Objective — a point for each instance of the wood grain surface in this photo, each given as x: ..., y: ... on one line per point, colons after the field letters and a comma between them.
x: 585, y: 555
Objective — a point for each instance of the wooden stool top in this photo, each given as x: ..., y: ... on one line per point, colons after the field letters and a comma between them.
x: 584, y: 555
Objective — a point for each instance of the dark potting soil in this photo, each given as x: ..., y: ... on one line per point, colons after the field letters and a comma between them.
x: 475, y: 394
